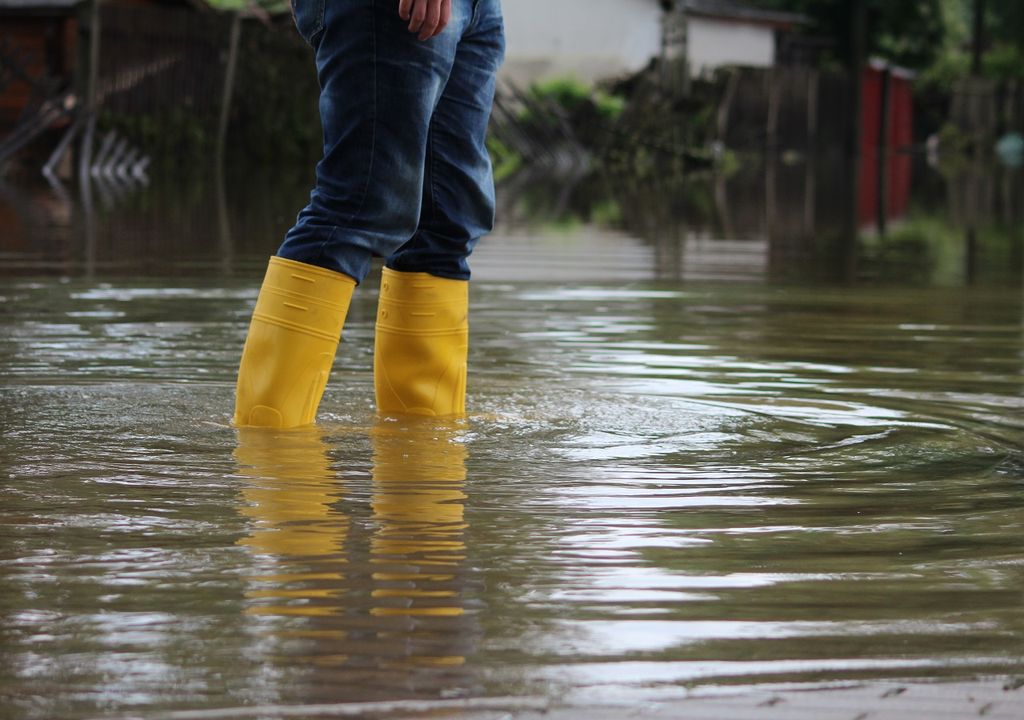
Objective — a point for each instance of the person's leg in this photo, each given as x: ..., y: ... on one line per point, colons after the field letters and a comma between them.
x: 422, y: 323
x: 458, y: 188
x: 379, y: 87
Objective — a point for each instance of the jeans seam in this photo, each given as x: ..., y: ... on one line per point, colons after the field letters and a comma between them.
x: 472, y: 18
x: 433, y: 173
x: 324, y: 244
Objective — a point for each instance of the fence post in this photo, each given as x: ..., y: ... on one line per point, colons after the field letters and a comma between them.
x: 856, y: 61
x: 813, y: 88
x: 725, y: 109
x: 978, y: 38
x: 882, y: 151
x: 858, y: 15
x: 229, y: 85
x: 1009, y: 115
x: 774, y: 101
x: 675, y: 53
x: 91, y: 16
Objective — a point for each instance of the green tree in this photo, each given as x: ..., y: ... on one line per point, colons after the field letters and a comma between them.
x: 909, y: 33
x: 931, y: 36
x: 1005, y: 39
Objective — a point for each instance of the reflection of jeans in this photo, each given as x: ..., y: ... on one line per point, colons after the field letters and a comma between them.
x: 405, y: 173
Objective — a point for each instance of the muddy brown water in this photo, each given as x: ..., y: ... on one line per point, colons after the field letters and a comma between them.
x: 663, y: 483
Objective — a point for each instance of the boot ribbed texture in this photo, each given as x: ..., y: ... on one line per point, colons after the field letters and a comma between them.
x: 292, y: 340
x: 422, y: 338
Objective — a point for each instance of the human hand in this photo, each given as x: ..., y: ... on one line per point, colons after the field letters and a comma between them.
x: 426, y: 17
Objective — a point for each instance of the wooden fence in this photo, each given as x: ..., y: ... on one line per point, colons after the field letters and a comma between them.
x: 984, y: 109
x: 784, y: 108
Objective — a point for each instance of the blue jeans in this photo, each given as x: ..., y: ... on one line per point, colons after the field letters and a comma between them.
x: 405, y: 173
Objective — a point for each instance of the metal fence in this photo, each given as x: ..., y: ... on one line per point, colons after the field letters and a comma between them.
x: 164, y: 81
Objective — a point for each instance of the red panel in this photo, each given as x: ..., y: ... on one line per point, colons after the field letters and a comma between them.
x: 899, y: 137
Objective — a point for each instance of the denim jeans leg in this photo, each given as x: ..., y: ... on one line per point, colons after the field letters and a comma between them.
x: 458, y: 192
x: 379, y: 86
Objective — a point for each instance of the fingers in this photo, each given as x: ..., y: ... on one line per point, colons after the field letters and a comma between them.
x: 446, y: 16
x: 429, y: 26
x: 427, y: 18
x: 417, y: 15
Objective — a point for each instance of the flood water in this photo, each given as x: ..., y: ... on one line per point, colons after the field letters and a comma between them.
x: 704, y: 448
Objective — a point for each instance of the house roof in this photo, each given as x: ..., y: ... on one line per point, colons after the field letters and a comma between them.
x: 734, y: 10
x: 201, y: 5
x: 881, y: 65
x: 33, y: 4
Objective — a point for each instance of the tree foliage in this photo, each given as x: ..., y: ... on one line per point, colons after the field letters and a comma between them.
x: 931, y: 36
x: 909, y: 32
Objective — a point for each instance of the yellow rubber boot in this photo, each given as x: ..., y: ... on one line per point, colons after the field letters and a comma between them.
x: 419, y: 360
x: 292, y: 339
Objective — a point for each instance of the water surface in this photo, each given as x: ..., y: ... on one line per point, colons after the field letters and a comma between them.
x: 663, y: 483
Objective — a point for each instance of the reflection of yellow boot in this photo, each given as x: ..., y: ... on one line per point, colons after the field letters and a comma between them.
x: 290, y: 490
x: 419, y: 470
x: 419, y: 364
x: 296, y: 532
x: 291, y: 344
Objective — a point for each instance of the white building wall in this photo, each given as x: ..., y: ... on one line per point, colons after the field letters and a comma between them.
x: 588, y: 39
x: 713, y: 43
